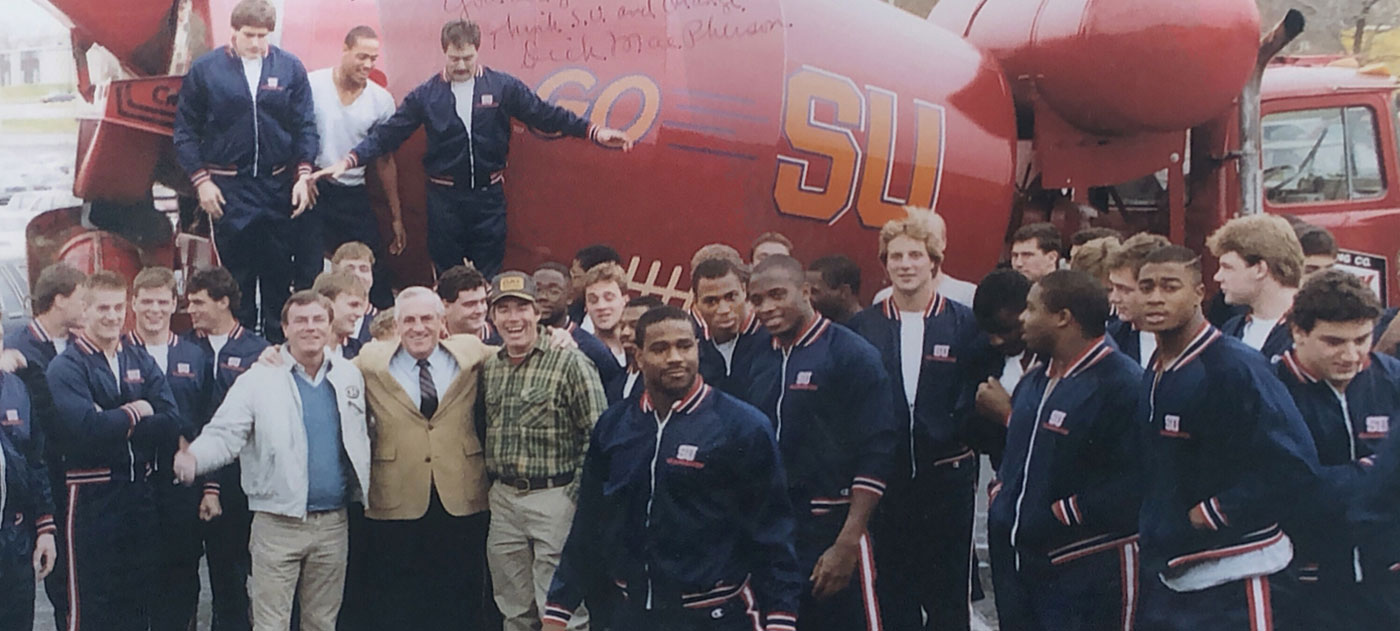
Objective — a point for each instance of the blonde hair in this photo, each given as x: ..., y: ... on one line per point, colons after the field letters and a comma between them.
x: 1134, y: 250
x: 156, y: 277
x: 1093, y: 257
x: 919, y: 224
x: 333, y: 284
x: 606, y: 272
x: 383, y: 326
x: 1264, y: 238
x: 352, y: 251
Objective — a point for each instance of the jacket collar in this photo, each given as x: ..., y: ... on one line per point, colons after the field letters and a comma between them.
x: 1206, y: 336
x: 935, y: 307
x: 686, y: 404
x: 235, y: 333
x: 38, y: 332
x: 1095, y: 353
x: 749, y: 327
x: 1300, y: 372
x: 88, y: 347
x: 134, y: 337
x: 815, y: 328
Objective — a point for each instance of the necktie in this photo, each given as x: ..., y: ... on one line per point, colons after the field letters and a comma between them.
x: 428, y: 401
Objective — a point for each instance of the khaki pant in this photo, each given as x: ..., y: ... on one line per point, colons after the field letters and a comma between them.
x: 305, y: 556
x: 523, y: 546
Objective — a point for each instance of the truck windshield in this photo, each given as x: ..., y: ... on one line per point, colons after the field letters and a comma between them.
x: 1322, y: 155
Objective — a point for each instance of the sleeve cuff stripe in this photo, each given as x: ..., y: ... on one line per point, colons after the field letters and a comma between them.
x: 1210, y: 518
x: 199, y: 177
x: 44, y: 520
x: 353, y: 159
x: 562, y: 619
x: 1074, y: 514
x: 48, y: 529
x: 782, y: 617
x: 876, y: 491
x: 1216, y: 513
x: 772, y: 626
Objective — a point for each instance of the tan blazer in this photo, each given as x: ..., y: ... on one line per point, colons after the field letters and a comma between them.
x: 409, y: 452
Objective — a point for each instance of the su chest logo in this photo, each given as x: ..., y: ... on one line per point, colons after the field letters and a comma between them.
x: 1056, y: 423
x: 1171, y: 427
x: 11, y: 418
x: 941, y: 353
x: 803, y: 381
x: 1376, y: 427
x: 685, y: 457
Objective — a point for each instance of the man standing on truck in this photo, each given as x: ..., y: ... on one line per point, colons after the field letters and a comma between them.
x: 347, y: 105
x: 245, y: 132
x: 467, y: 110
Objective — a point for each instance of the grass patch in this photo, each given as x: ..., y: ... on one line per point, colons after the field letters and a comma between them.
x: 39, y: 126
x: 30, y: 93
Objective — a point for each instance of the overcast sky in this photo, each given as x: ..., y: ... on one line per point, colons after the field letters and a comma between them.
x: 25, y: 18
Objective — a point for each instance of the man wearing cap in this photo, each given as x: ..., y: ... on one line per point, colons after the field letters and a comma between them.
x: 541, y: 404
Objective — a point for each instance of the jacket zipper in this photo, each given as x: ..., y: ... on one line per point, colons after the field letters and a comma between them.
x: 256, y: 140
x: 655, y: 456
x: 1026, y: 468
x: 782, y: 390
x: 1346, y: 417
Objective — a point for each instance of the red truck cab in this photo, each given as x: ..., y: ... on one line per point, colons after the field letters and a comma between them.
x: 1330, y: 151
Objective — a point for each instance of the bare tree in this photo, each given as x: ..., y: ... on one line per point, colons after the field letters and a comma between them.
x: 1329, y: 19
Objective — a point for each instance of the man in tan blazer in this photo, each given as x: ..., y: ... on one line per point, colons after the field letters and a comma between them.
x: 426, y: 512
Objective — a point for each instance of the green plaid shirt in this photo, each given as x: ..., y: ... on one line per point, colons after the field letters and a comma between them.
x: 540, y: 413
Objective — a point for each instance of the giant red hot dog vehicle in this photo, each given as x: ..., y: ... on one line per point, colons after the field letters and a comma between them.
x: 819, y: 119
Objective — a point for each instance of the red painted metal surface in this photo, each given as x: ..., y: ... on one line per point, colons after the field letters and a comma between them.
x: 750, y: 115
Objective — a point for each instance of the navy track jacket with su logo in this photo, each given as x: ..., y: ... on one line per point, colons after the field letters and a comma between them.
x: 828, y: 397
x: 1070, y: 480
x: 690, y: 513
x: 1349, y: 430
x: 1224, y: 435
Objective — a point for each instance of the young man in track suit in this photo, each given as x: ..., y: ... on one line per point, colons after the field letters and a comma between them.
x: 924, y: 529
x: 115, y: 413
x: 466, y: 111
x: 1062, y: 523
x: 57, y: 303
x: 27, y: 546
x: 230, y: 350
x: 828, y: 397
x: 245, y: 133
x: 179, y: 508
x: 683, y: 504
x: 1347, y: 395
x: 730, y: 335
x: 1261, y: 264
x: 1226, y: 454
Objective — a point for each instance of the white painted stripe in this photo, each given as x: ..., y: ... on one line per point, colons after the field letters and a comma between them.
x: 1258, y: 607
x: 1130, y: 568
x: 72, y: 560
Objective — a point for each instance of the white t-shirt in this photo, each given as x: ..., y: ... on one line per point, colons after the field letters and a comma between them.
x: 726, y: 350
x: 1256, y: 332
x: 1012, y: 372
x: 340, y: 126
x: 464, y: 92
x: 217, y: 342
x: 1147, y: 345
x: 631, y: 382
x: 114, y: 363
x: 160, y: 353
x: 252, y: 71
x: 911, y: 351
x: 959, y: 291
x: 60, y: 344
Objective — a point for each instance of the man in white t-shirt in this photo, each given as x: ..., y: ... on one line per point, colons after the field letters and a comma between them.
x: 1261, y: 265
x: 348, y: 105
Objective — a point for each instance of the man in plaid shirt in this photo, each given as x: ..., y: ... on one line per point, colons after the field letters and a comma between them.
x: 541, y: 404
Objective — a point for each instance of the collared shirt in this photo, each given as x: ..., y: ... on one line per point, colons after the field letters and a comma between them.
x: 539, y: 413
x: 301, y: 370
x: 441, y: 365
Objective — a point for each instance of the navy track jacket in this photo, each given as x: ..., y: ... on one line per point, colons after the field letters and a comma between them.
x: 937, y: 426
x: 1070, y: 480
x: 24, y: 478
x: 188, y: 371
x: 1279, y: 340
x: 96, y: 426
x: 238, y: 354
x: 1222, y: 434
x: 688, y: 513
x: 828, y: 398
x: 220, y: 129
x: 731, y: 376
x: 455, y: 157
x: 1348, y: 429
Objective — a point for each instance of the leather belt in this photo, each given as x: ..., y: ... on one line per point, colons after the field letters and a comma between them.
x: 538, y: 484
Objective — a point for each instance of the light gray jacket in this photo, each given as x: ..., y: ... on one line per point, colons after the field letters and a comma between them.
x: 260, y: 424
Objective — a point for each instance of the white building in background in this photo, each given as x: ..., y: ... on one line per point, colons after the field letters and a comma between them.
x: 38, y: 64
